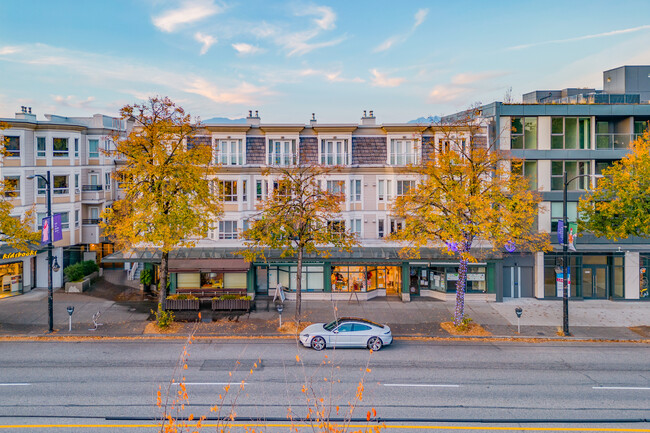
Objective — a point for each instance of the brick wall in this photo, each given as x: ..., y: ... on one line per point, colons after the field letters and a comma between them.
x: 369, y: 150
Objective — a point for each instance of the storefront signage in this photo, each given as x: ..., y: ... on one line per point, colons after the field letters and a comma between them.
x: 16, y: 255
x: 453, y: 276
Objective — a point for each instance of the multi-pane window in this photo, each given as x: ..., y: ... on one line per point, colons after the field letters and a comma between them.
x: 355, y: 190
x: 403, y: 152
x: 76, y: 183
x: 355, y: 227
x: 523, y: 133
x: 76, y: 218
x: 570, y: 133
x: 93, y: 148
x: 60, y: 184
x: 12, y: 147
x: 107, y: 180
x: 527, y: 169
x: 41, y: 186
x: 336, y: 187
x: 65, y: 220
x: 76, y: 148
x: 444, y: 146
x: 244, y: 196
x: 384, y: 190
x: 229, y: 152
x: 396, y: 226
x: 381, y: 231
x: 12, y: 186
x: 228, y: 190
x: 261, y: 189
x: 228, y: 230
x: 40, y: 147
x: 336, y: 228
x: 557, y: 213
x: 404, y: 186
x: 334, y: 152
x: 573, y: 169
x: 60, y: 147
x: 282, y: 152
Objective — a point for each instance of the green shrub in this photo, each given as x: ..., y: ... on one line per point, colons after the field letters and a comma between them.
x: 164, y: 319
x: 146, y: 277
x: 225, y: 297
x: 74, y: 272
x: 89, y: 266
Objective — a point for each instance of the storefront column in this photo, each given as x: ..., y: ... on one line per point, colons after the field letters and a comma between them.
x: 539, y: 275
x: 327, y: 277
x: 406, y: 274
x: 631, y: 275
x: 250, y: 282
x: 494, y: 279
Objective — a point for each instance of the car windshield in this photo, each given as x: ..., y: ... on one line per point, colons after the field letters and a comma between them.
x: 331, y: 325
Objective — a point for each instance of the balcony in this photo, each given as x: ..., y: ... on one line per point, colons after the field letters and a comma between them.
x: 404, y: 158
x: 91, y: 233
x: 92, y: 188
x: 92, y: 193
x: 614, y: 141
x: 91, y: 221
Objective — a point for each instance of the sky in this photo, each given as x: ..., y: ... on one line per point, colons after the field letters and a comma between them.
x: 289, y: 59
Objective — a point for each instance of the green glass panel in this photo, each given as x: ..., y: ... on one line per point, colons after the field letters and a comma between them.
x: 571, y: 134
x: 517, y: 142
x: 517, y: 125
x: 530, y: 132
x: 557, y: 125
x: 557, y: 141
x: 557, y: 168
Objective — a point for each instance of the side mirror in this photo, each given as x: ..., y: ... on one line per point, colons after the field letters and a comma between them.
x: 336, y: 331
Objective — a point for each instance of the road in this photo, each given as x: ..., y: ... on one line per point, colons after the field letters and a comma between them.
x: 112, y: 385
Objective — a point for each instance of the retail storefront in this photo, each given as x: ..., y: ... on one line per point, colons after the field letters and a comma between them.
x: 16, y: 271
x: 208, y: 274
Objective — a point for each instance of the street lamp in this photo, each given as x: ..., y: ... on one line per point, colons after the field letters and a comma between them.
x: 565, y: 255
x: 52, y: 264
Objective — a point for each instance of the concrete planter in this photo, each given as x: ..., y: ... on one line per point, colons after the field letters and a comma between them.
x: 231, y: 304
x: 182, y: 304
x: 80, y: 286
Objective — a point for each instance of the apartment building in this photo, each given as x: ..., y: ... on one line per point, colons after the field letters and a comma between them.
x: 579, y: 131
x: 372, y: 169
x: 72, y: 150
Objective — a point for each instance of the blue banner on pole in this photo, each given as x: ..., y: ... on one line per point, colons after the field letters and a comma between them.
x: 58, y: 230
x: 560, y: 232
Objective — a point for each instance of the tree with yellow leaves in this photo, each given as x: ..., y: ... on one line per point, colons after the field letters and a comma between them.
x: 166, y: 179
x: 15, y: 231
x: 468, y: 193
x: 298, y: 218
x: 619, y: 206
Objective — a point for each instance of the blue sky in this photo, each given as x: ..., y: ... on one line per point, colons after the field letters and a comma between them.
x: 289, y: 59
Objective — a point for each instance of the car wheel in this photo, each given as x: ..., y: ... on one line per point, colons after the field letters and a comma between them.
x: 318, y: 343
x: 375, y: 344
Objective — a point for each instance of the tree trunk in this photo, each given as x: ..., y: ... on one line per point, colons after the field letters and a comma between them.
x: 162, y: 293
x: 299, y: 285
x: 461, y: 284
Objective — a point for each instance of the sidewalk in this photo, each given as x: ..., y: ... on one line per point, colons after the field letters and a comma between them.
x: 125, y: 314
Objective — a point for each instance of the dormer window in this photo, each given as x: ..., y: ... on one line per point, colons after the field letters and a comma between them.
x: 230, y: 152
x: 334, y: 152
x: 404, y: 152
x: 282, y: 152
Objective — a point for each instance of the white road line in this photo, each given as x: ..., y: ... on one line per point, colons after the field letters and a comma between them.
x: 620, y: 387
x: 214, y: 383
x: 430, y: 385
x: 15, y: 384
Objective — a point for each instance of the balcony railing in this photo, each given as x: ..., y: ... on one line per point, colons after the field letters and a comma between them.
x: 615, y: 141
x: 91, y: 221
x: 91, y: 187
x: 403, y: 158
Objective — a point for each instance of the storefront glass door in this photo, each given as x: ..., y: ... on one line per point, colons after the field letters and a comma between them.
x: 594, y: 282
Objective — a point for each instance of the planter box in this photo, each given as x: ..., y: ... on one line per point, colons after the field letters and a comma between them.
x: 80, y: 286
x: 231, y: 304
x: 182, y: 304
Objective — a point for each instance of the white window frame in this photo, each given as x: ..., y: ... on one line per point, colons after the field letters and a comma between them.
x: 233, y: 197
x: 261, y: 189
x: 41, y: 153
x: 58, y: 153
x: 335, y: 150
x: 412, y: 184
x: 8, y: 192
x: 282, y: 151
x: 231, y: 234
x: 95, y: 154
x: 228, y: 157
x: 385, y: 190
x: 107, y: 180
x: 356, y: 226
x: 356, y: 196
x: 336, y: 182
x: 409, y: 152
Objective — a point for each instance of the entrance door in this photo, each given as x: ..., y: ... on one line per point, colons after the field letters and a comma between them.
x: 594, y: 282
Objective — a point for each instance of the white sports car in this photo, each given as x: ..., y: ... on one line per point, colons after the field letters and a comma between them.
x: 346, y: 332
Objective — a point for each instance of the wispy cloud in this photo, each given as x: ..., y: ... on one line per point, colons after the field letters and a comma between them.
x: 331, y: 76
x: 582, y: 38
x: 298, y: 43
x: 120, y: 74
x: 73, y: 101
x: 462, y: 85
x: 206, y: 40
x: 419, y: 18
x: 446, y: 93
x: 190, y: 11
x: 327, y: 20
x: 471, y: 78
x: 382, y: 80
x: 245, y: 49
x: 8, y: 50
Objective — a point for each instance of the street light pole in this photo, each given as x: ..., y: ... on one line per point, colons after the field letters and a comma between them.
x: 565, y: 260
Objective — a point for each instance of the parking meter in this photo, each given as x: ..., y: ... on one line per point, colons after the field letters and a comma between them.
x: 518, y: 311
x: 280, y: 309
x: 70, y: 311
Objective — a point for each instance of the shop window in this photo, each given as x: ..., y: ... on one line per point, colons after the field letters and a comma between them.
x: 40, y: 147
x: 228, y: 190
x: 644, y: 275
x: 311, y: 277
x: 93, y: 148
x: 12, y: 147
x: 366, y: 278
x: 523, y: 133
x: 60, y: 148
x: 12, y: 186
x: 11, y: 277
x: 228, y: 230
